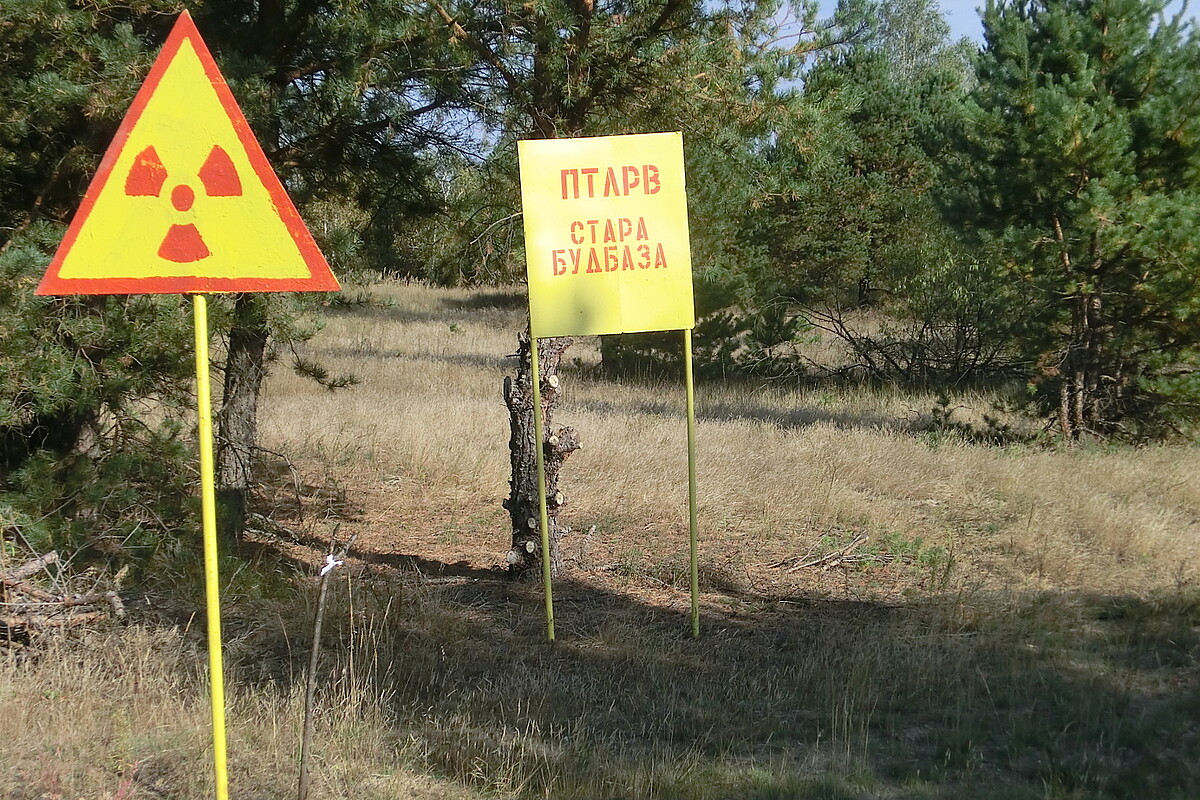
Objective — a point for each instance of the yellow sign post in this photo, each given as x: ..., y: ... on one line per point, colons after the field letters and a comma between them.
x: 607, y: 251
x: 184, y: 201
x: 208, y: 524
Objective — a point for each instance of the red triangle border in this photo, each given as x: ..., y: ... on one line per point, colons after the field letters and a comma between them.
x: 321, y: 278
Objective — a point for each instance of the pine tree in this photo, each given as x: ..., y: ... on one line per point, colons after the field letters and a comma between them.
x: 850, y: 220
x: 342, y: 96
x: 1079, y: 168
x: 576, y: 67
x: 344, y: 99
x: 91, y: 389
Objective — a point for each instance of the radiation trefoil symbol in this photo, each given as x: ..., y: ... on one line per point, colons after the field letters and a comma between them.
x: 183, y: 243
x: 184, y: 199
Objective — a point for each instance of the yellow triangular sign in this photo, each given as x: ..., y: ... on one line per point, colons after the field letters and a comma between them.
x: 184, y: 200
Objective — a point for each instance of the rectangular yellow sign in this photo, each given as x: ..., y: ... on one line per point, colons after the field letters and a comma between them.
x: 606, y: 234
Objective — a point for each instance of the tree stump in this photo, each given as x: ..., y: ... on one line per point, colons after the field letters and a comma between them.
x: 522, y: 501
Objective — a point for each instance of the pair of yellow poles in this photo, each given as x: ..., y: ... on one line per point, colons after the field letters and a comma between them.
x: 208, y: 513
x: 607, y: 252
x: 541, y: 481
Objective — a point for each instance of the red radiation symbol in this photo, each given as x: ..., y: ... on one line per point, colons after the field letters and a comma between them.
x: 183, y: 243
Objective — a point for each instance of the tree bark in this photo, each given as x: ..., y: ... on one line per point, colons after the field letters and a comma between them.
x: 1064, y: 407
x: 1073, y: 389
x: 1095, y: 357
x: 237, y: 433
x: 522, y: 501
x: 1079, y: 361
x: 1081, y: 409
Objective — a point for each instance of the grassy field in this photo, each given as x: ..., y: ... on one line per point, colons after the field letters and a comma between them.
x: 1001, y: 622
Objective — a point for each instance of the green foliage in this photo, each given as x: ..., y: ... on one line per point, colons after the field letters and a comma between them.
x: 914, y: 551
x: 92, y: 446
x: 850, y: 221
x: 565, y: 69
x: 478, y: 239
x: 345, y: 100
x: 834, y: 166
x: 851, y: 215
x: 67, y: 75
x: 92, y: 395
x: 840, y: 226
x: 1078, y: 164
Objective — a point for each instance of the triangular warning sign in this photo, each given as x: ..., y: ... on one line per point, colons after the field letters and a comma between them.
x: 184, y: 200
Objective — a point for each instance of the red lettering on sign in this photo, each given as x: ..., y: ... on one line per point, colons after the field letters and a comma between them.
x: 651, y: 176
x: 590, y: 173
x: 609, y: 258
x: 573, y: 175
x: 605, y: 246
x: 660, y: 258
x: 615, y: 229
x: 630, y: 176
x: 618, y: 181
x: 626, y: 259
x: 611, y: 187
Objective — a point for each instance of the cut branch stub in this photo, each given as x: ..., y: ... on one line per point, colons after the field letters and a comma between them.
x: 522, y: 501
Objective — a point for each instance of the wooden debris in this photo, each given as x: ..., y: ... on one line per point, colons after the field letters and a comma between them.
x: 31, y: 567
x: 26, y: 609
x: 834, y: 558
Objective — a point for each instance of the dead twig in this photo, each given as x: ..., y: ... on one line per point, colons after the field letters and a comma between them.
x: 31, y: 608
x: 827, y: 560
x: 31, y: 621
x: 334, y: 559
x: 30, y: 567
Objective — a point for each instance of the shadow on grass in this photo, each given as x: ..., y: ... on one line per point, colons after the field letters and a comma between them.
x: 499, y: 362
x: 427, y: 567
x: 512, y: 300
x: 801, y: 417
x: 1048, y: 696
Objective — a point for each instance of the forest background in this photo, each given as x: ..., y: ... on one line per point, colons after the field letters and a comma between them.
x: 1024, y: 213
x: 1020, y: 215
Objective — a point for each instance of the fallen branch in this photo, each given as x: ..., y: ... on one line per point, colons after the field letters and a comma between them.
x: 31, y: 591
x: 828, y: 560
x: 30, y: 608
x: 28, y: 622
x: 30, y: 567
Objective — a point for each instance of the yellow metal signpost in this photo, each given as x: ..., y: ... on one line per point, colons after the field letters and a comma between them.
x: 185, y: 202
x: 607, y: 251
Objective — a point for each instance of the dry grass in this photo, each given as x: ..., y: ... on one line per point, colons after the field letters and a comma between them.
x: 125, y: 714
x: 778, y: 468
x: 1020, y: 622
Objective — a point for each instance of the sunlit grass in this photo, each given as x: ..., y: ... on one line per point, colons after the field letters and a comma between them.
x: 776, y: 464
x: 1018, y: 621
